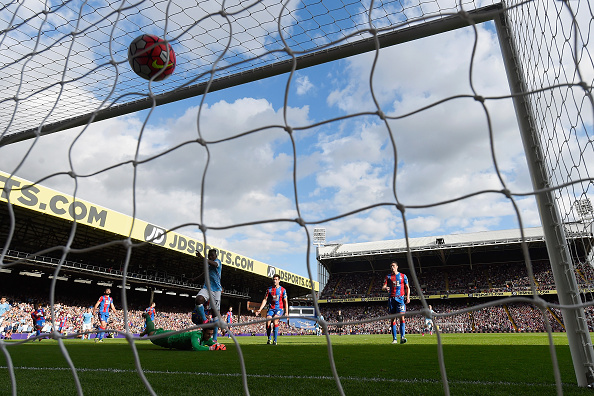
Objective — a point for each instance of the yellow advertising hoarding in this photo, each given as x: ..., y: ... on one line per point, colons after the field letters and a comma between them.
x: 54, y: 203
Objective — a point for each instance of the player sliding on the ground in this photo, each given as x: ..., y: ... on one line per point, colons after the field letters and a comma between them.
x: 396, y: 284
x: 190, y: 340
x: 278, y: 304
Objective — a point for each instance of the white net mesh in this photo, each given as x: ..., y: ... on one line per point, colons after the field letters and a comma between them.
x: 401, y: 143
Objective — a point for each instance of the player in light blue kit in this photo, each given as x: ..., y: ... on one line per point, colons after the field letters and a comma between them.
x: 214, y: 275
x: 4, y: 307
x: 87, y: 322
x: 428, y: 328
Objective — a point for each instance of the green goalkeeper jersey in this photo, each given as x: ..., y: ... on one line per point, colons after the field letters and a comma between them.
x: 191, y: 340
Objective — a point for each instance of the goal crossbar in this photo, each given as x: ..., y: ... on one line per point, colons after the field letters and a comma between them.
x: 400, y: 36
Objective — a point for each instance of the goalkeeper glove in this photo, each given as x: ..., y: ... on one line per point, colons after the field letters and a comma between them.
x: 218, y: 347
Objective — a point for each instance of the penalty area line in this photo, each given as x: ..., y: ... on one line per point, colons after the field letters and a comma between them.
x: 297, y: 377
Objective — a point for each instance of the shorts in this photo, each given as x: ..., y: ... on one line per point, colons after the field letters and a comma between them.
x: 87, y: 326
x: 216, y: 295
x: 103, y: 316
x: 275, y: 312
x: 396, y: 305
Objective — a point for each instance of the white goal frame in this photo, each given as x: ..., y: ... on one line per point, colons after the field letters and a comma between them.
x: 544, y: 188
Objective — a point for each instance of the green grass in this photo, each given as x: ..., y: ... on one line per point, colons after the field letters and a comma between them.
x: 476, y: 364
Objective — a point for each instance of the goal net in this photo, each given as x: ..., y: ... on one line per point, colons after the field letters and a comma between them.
x: 373, y: 119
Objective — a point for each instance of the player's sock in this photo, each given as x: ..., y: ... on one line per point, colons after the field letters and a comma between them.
x: 401, y: 330
x: 275, y: 332
x: 268, y: 332
x: 394, y: 331
x: 216, y: 331
x: 101, y: 333
x: 200, y: 310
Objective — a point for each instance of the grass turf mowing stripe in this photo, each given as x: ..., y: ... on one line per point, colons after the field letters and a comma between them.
x: 295, y: 377
x: 476, y: 364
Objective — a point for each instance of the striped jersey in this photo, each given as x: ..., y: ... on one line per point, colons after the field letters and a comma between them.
x: 151, y: 311
x: 396, y: 284
x: 229, y: 317
x: 275, y: 297
x: 38, y: 315
x: 104, y: 303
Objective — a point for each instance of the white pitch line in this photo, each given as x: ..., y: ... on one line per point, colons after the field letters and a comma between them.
x: 298, y: 377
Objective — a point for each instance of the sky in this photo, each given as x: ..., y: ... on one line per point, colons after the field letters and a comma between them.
x: 344, y: 158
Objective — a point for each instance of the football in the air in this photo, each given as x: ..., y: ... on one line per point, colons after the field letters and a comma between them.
x: 151, y: 57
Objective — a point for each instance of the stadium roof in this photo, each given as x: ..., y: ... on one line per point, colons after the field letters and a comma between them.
x: 483, y: 238
x: 432, y: 242
x: 486, y: 247
x: 162, y: 259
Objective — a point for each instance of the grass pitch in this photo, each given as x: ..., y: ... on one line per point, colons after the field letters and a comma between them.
x: 476, y: 364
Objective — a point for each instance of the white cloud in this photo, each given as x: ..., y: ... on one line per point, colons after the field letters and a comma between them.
x: 424, y: 224
x: 442, y: 153
x: 304, y: 86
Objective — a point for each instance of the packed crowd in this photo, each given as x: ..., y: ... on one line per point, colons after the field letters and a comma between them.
x: 453, y: 317
x: 17, y: 319
x: 456, y: 280
x: 516, y: 317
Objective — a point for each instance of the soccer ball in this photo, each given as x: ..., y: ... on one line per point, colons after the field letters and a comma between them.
x: 149, y: 55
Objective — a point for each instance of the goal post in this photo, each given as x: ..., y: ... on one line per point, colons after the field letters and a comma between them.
x: 563, y: 269
x: 65, y: 66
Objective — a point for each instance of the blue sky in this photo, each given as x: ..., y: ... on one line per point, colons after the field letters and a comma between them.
x: 442, y: 153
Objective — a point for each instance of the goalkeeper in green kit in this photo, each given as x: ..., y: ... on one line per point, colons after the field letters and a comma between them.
x: 190, y: 340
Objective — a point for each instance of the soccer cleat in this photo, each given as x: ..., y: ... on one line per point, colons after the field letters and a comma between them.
x: 268, y: 342
x: 394, y: 341
x: 273, y: 342
x: 96, y: 339
x: 100, y: 340
x: 403, y: 340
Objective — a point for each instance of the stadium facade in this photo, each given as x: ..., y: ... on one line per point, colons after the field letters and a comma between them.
x: 37, y: 225
x: 448, y: 255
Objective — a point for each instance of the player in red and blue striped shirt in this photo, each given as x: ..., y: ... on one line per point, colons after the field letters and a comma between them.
x: 62, y: 318
x: 103, y: 306
x: 38, y: 317
x: 278, y: 304
x: 396, y: 283
x: 151, y: 311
